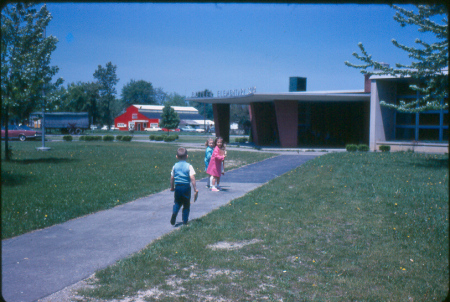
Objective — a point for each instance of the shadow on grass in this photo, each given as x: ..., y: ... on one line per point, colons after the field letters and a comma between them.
x: 10, y: 180
x: 433, y: 163
x: 51, y: 160
x: 422, y: 162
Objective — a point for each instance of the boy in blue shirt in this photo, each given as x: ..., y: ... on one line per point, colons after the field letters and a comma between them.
x: 181, y: 177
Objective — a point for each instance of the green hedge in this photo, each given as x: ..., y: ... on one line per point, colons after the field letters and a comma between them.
x: 119, y: 137
x: 169, y: 138
x: 127, y: 138
x: 363, y: 148
x: 241, y: 140
x: 351, y: 148
x: 67, y: 138
x: 159, y: 138
x: 108, y: 138
x: 384, y: 148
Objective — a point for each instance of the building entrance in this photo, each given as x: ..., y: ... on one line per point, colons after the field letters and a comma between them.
x: 336, y: 124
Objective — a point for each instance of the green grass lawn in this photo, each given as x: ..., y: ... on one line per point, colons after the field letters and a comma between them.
x: 342, y: 227
x: 40, y: 189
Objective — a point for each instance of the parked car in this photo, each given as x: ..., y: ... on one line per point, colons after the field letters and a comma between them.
x: 199, y: 130
x: 21, y: 132
x: 93, y: 127
x: 105, y: 127
x: 171, y: 130
x: 187, y: 129
x: 153, y: 129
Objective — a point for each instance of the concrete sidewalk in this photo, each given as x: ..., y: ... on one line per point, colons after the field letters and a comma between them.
x: 40, y: 263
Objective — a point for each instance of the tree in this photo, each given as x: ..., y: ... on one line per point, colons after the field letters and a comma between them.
x: 174, y: 99
x: 26, y: 73
x: 160, y: 96
x: 137, y: 92
x: 106, y: 79
x: 205, y: 109
x: 239, y: 114
x: 429, y: 61
x: 82, y: 97
x: 169, y: 118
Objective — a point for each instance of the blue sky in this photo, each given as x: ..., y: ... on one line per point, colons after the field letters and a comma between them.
x: 185, y: 48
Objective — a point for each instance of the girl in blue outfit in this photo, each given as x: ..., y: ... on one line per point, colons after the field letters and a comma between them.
x: 210, y: 144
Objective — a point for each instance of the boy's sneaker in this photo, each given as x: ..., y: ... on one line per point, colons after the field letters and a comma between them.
x: 173, y: 219
x: 214, y: 189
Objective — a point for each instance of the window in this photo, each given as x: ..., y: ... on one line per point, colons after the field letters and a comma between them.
x: 134, y: 116
x: 424, y: 126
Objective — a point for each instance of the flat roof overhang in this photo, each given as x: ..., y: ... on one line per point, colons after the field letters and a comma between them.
x: 288, y: 96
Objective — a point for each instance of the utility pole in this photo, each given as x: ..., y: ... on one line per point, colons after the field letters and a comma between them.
x: 43, y: 148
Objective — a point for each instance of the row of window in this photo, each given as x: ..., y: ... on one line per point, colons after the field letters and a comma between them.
x: 425, y: 126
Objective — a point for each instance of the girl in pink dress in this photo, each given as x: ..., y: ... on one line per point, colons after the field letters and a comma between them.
x: 215, y: 164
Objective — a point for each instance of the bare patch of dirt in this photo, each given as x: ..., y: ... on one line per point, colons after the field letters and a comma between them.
x: 224, y: 245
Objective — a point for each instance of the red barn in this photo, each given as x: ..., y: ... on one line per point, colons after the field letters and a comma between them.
x: 146, y: 116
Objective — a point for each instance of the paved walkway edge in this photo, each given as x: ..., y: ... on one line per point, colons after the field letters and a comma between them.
x: 40, y: 263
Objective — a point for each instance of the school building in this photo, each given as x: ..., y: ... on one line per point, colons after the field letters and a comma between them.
x: 140, y: 117
x: 299, y: 118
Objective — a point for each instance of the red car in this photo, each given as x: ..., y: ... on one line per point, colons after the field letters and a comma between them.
x: 171, y: 130
x: 21, y: 132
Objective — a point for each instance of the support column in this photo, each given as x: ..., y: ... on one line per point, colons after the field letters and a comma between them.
x: 222, y: 120
x: 382, y: 124
x: 287, y: 122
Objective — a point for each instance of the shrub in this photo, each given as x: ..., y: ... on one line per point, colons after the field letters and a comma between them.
x: 152, y: 137
x: 175, y: 136
x: 97, y: 138
x: 363, y: 148
x: 67, y: 138
x: 127, y: 138
x: 108, y: 138
x: 384, y: 148
x: 169, y: 138
x: 240, y: 140
x: 351, y: 148
x: 159, y: 138
x: 119, y: 137
x: 82, y: 138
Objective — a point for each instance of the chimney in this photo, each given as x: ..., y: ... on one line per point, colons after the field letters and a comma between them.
x: 366, y: 83
x: 297, y: 84
x: 367, y: 80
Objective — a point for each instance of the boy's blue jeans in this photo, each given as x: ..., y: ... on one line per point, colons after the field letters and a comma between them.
x: 182, y: 199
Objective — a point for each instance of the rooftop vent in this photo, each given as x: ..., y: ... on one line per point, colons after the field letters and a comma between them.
x: 297, y: 84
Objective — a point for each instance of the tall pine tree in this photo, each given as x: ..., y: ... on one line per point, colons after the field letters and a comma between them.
x: 106, y: 79
x: 430, y: 61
